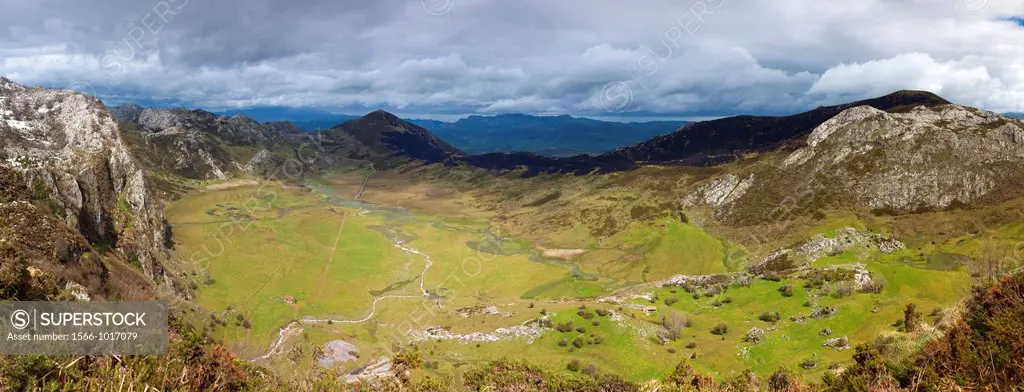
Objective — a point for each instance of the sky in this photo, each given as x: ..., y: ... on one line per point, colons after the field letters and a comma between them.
x: 597, y: 58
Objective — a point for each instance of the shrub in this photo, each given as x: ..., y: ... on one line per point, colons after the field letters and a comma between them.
x: 671, y: 300
x: 691, y: 345
x: 602, y: 312
x: 581, y: 330
x: 565, y: 327
x: 844, y: 290
x: 911, y: 318
x: 563, y: 343
x: 808, y: 364
x: 787, y: 290
x: 574, y: 365
x: 592, y: 371
x: 595, y: 323
x: 770, y: 317
x: 720, y: 329
x: 877, y: 284
x: 578, y: 342
x: 783, y: 380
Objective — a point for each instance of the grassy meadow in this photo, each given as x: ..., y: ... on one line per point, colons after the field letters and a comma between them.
x: 252, y: 246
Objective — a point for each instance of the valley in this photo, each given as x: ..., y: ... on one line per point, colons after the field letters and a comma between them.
x: 384, y: 276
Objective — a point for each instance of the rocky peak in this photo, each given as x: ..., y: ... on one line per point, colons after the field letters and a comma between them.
x: 242, y: 130
x: 158, y: 119
x: 67, y: 149
x: 381, y: 115
x: 917, y: 158
x: 386, y: 136
x: 125, y: 113
x: 900, y: 101
x: 284, y: 127
x: 709, y: 143
x: 6, y: 85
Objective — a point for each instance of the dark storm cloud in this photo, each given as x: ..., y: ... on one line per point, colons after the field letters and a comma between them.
x: 489, y: 56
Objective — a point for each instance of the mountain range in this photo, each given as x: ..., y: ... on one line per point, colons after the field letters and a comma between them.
x: 555, y: 136
x: 890, y: 155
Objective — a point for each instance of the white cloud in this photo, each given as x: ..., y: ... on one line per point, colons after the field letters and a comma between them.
x: 972, y: 80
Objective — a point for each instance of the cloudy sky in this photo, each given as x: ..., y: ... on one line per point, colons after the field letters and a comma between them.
x: 686, y: 58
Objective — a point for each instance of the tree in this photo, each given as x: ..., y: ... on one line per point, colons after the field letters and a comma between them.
x: 674, y: 324
x: 993, y: 256
x: 911, y: 318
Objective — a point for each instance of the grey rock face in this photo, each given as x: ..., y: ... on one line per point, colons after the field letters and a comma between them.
x: 159, y: 119
x: 925, y: 158
x: 68, y: 146
x: 125, y: 113
x: 922, y: 159
x: 197, y: 144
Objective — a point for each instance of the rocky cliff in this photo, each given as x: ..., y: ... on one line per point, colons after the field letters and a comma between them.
x: 922, y: 158
x: 63, y: 157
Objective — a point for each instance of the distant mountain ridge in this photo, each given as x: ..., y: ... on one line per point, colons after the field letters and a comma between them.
x: 555, y: 136
x: 305, y: 118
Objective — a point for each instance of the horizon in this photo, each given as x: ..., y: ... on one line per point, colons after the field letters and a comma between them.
x: 319, y: 114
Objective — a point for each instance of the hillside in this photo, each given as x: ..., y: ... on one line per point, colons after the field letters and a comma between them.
x: 921, y: 159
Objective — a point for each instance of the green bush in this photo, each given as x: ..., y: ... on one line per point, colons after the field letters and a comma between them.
x: 787, y: 290
x: 720, y: 329
x: 770, y: 317
x: 574, y: 365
